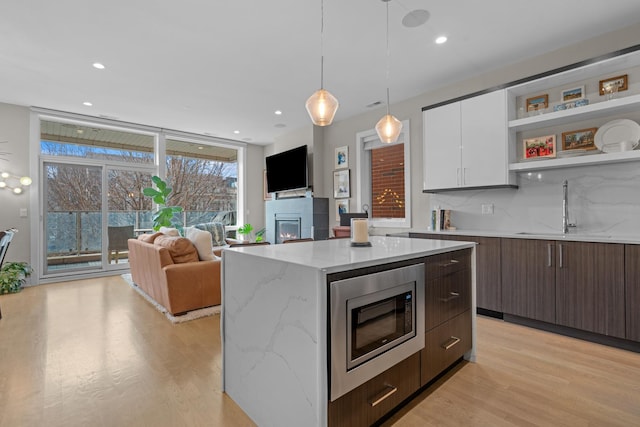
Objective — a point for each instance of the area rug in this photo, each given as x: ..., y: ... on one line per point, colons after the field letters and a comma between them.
x: 191, y: 315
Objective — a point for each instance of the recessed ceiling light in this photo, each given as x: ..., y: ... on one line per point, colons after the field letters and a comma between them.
x: 200, y: 147
x: 236, y: 132
x: 441, y: 39
x: 277, y: 112
x: 98, y: 65
x: 79, y: 131
x: 87, y: 103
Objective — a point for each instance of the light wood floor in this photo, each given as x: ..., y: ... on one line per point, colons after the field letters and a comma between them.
x: 94, y: 353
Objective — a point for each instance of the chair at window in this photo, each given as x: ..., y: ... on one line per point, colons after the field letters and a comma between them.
x: 240, y: 245
x: 5, y: 239
x: 117, y: 240
x: 344, y: 229
x: 304, y: 239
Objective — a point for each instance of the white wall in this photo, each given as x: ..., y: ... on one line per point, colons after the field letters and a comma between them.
x: 14, y: 128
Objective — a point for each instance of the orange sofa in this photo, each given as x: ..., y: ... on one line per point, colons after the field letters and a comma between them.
x: 165, y: 268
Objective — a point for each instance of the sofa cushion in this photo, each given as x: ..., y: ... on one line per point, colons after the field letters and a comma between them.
x: 149, y: 238
x: 169, y: 231
x: 202, y: 241
x: 180, y: 248
x: 217, y: 232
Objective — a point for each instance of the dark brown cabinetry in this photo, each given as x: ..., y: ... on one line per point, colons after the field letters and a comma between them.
x: 447, y: 312
x: 528, y: 279
x: 590, y: 287
x: 574, y: 284
x: 632, y: 291
x: 369, y: 402
x: 488, y: 281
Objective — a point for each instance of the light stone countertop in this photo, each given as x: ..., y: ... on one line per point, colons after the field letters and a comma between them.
x: 571, y: 237
x: 337, y: 254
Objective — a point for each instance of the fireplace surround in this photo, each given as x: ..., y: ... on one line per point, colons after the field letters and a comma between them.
x: 297, y: 218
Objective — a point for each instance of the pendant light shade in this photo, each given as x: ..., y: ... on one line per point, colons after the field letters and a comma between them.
x: 388, y: 127
x: 322, y: 105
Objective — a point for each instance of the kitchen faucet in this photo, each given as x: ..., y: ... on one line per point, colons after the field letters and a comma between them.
x: 565, y: 208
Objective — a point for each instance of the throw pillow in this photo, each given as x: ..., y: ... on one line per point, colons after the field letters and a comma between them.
x: 217, y: 232
x: 180, y: 248
x: 168, y: 231
x: 149, y: 238
x: 202, y: 241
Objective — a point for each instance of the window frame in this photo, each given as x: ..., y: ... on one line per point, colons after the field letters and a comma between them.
x: 363, y: 166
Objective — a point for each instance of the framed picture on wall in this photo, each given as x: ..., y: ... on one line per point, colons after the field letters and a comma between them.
x: 341, y: 184
x: 572, y: 94
x: 614, y: 84
x: 342, y: 158
x: 539, y: 102
x: 342, y: 206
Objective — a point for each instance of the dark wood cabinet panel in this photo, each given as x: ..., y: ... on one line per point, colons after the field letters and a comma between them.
x: 372, y: 400
x: 632, y: 291
x: 447, y: 296
x: 488, y: 267
x: 444, y: 345
x: 590, y: 287
x: 528, y: 279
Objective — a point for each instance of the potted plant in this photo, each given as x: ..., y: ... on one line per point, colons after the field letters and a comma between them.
x: 164, y: 216
x: 13, y: 275
x: 247, y: 230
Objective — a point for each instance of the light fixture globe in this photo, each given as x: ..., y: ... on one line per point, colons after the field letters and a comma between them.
x: 25, y: 180
x: 388, y: 129
x: 322, y: 107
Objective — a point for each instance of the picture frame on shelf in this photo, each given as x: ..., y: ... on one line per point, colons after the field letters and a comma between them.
x: 341, y: 160
x: 542, y: 147
x: 582, y: 139
x: 342, y: 207
x: 538, y: 102
x: 614, y: 84
x: 572, y: 94
x: 341, y: 184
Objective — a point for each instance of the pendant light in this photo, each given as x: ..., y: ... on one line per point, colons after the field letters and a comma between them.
x: 388, y: 127
x: 322, y: 105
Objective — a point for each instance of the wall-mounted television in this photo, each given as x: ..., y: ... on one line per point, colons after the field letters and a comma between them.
x: 287, y: 170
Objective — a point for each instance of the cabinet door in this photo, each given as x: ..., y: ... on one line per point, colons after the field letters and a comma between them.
x: 528, y: 279
x: 488, y: 267
x: 441, y: 149
x: 590, y: 287
x: 632, y: 291
x: 485, y: 149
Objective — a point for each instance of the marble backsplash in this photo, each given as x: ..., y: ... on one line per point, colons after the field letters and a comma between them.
x: 603, y: 199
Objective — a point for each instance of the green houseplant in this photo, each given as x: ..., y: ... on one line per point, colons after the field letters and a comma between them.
x: 13, y: 276
x: 164, y: 216
x: 247, y: 230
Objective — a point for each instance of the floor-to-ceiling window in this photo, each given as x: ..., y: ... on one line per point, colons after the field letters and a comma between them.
x: 92, y: 177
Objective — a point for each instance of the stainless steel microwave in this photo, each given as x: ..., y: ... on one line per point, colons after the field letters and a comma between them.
x: 377, y: 320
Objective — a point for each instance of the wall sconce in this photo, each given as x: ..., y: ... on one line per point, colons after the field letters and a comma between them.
x: 14, y: 183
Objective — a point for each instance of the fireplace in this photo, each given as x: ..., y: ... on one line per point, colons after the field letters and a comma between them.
x: 287, y: 228
x: 297, y: 218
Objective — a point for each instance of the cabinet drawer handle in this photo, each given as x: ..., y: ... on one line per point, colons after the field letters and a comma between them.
x: 453, y: 341
x: 388, y: 391
x: 452, y: 295
x: 450, y: 263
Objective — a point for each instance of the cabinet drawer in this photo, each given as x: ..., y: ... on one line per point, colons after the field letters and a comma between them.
x: 447, y: 263
x: 446, y: 297
x: 444, y: 345
x: 372, y: 400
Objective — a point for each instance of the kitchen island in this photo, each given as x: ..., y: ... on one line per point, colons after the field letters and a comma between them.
x: 275, y: 326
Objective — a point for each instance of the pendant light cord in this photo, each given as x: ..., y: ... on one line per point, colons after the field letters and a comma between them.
x: 322, y: 44
x: 388, y: 54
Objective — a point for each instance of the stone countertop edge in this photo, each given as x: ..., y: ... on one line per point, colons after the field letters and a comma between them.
x: 336, y: 255
x: 570, y: 237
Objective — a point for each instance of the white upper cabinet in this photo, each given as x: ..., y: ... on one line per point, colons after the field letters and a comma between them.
x: 466, y: 144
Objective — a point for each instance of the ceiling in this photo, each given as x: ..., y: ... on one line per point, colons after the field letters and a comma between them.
x: 222, y: 66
